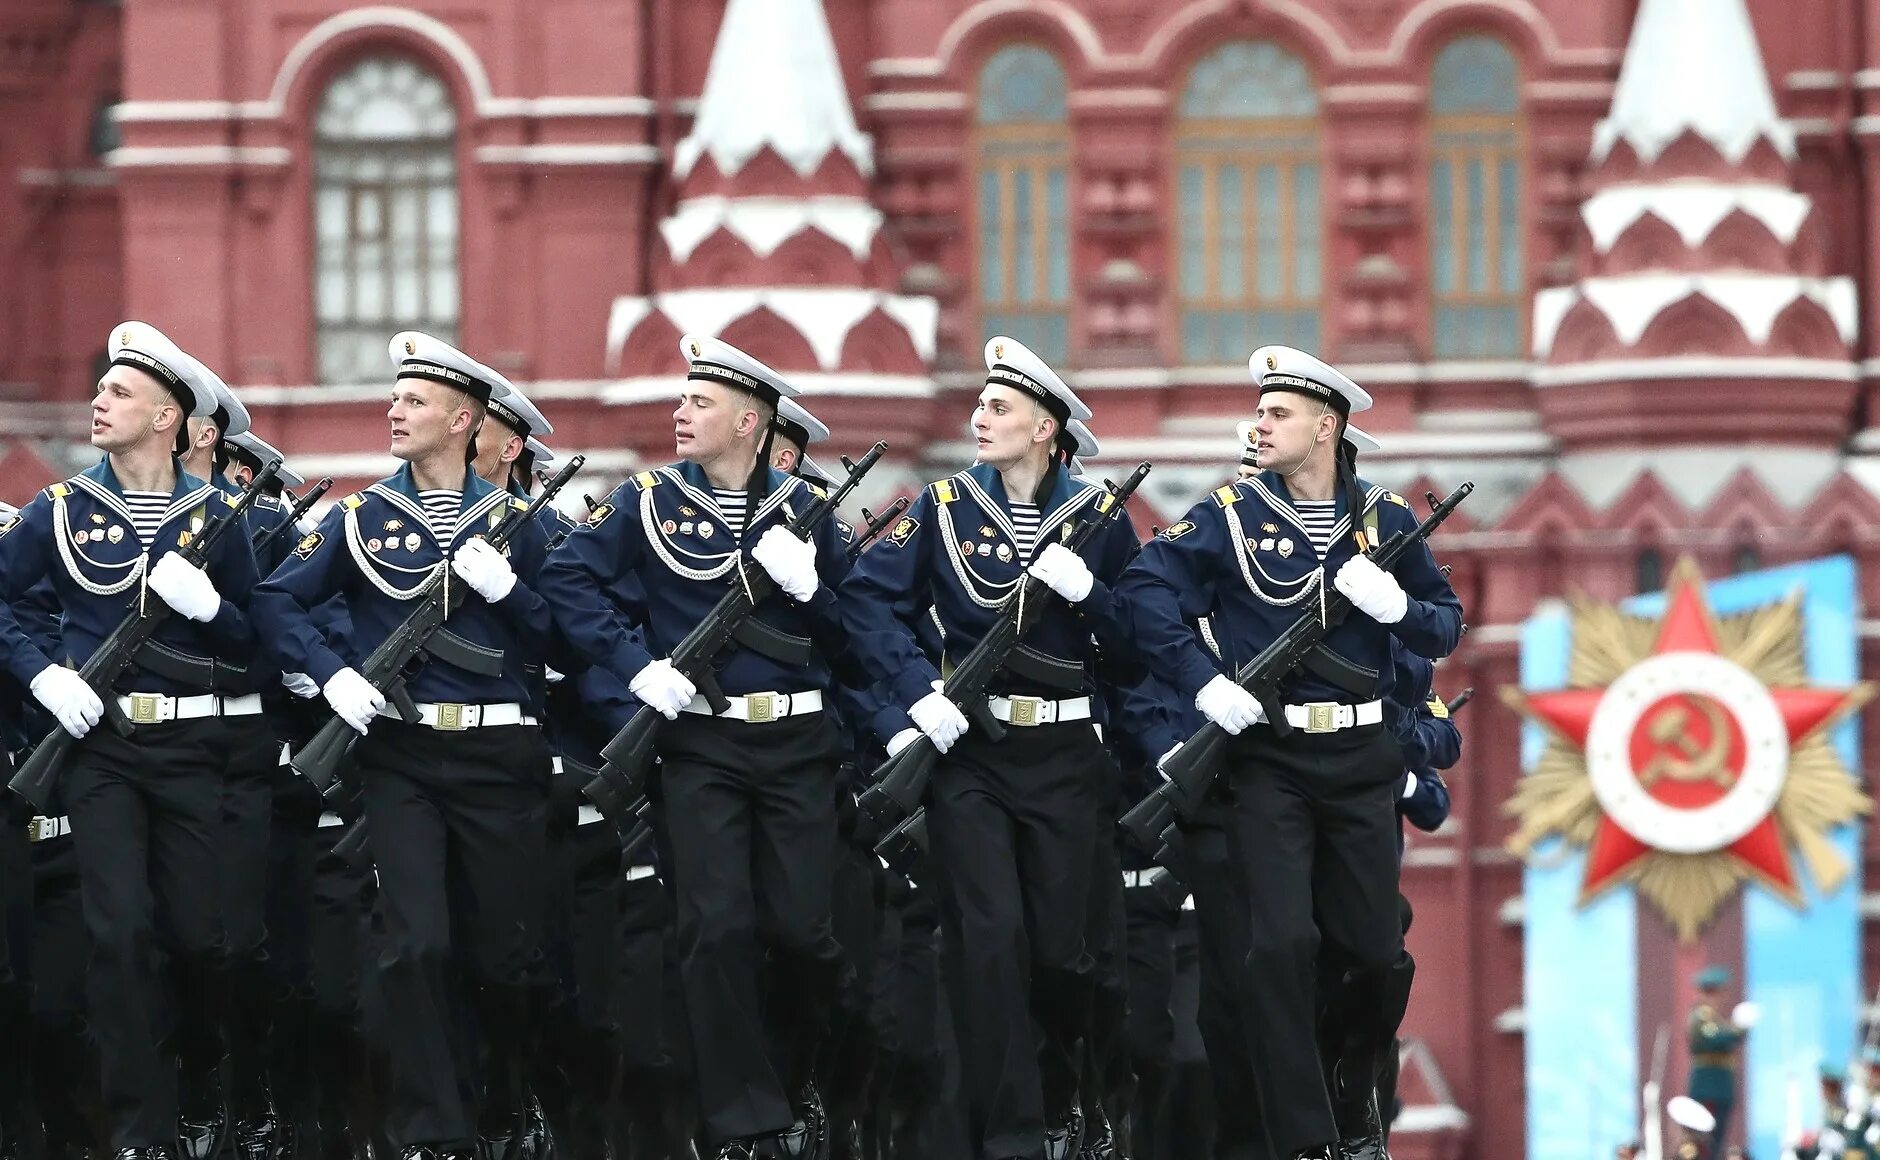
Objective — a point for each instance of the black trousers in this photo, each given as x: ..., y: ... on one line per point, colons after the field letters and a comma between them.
x: 292, y: 851
x: 1151, y: 919
x: 1013, y: 827
x: 751, y: 825
x: 1223, y: 933
x: 65, y: 1065
x: 251, y: 750
x: 457, y: 823
x: 16, y: 965
x: 147, y: 819
x: 1313, y: 834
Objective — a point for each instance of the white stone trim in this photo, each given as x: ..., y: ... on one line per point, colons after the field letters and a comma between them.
x: 1631, y: 301
x: 813, y: 384
x: 446, y: 38
x: 172, y: 112
x: 1813, y: 126
x: 910, y: 67
x: 631, y: 153
x: 925, y: 100
x: 764, y: 223
x: 1696, y: 367
x: 1865, y: 125
x: 1513, y: 1021
x: 1600, y: 91
x: 1867, y: 78
x: 1352, y: 94
x: 1076, y: 25
x: 1814, y: 79
x: 1694, y: 208
x: 146, y: 156
x: 823, y: 315
x: 1119, y: 98
x: 557, y: 108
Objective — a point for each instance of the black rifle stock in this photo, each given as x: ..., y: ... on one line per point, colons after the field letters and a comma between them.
x: 898, y: 785
x: 630, y: 754
x: 1192, y: 768
x: 421, y: 634
x: 38, y: 776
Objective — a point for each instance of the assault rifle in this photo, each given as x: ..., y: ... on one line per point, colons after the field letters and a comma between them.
x: 421, y: 638
x: 901, y: 781
x: 630, y: 754
x: 301, y: 507
x: 1192, y: 768
x: 39, y: 774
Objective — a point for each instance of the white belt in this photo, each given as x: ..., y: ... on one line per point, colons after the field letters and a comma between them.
x: 44, y: 829
x: 329, y: 819
x: 554, y: 763
x: 1037, y: 711
x: 156, y: 708
x: 635, y: 873
x: 587, y: 815
x: 1136, y: 878
x: 762, y: 706
x: 1330, y: 717
x: 453, y: 716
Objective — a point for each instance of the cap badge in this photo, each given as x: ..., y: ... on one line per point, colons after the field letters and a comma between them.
x: 124, y: 337
x: 411, y: 347
x: 998, y: 350
x: 695, y: 350
x: 1272, y: 363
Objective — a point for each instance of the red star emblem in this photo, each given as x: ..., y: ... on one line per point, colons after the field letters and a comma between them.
x: 1694, y: 737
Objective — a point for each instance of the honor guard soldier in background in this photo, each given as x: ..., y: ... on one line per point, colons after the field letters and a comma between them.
x: 1013, y: 823
x: 749, y: 794
x: 146, y: 808
x: 1313, y: 825
x: 1715, y: 1040
x: 456, y: 800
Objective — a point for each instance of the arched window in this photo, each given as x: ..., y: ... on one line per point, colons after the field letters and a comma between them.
x: 1022, y: 145
x: 1648, y: 571
x: 1247, y: 203
x: 385, y: 215
x: 1477, y: 276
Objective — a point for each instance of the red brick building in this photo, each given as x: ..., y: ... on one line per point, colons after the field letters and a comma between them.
x: 1631, y: 296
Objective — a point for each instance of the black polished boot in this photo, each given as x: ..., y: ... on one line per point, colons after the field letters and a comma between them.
x: 538, y: 1143
x: 1099, y: 1137
x: 1360, y: 1127
x: 153, y: 1152
x: 1063, y: 1141
x: 202, y: 1122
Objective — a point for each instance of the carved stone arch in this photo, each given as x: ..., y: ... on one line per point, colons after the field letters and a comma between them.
x: 771, y: 340
x: 880, y: 345
x: 1693, y: 325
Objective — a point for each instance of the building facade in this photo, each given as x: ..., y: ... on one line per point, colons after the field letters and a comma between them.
x: 1613, y: 260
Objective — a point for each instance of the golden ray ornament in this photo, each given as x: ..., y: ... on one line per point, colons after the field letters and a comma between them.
x: 1689, y: 754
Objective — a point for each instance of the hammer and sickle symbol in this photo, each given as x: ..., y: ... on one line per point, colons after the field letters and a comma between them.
x: 1679, y: 756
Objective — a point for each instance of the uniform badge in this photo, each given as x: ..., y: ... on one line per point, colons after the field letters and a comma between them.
x: 1005, y: 553
x: 97, y: 518
x: 669, y: 527
x: 966, y: 547
x: 985, y: 549
x: 687, y: 511
x: 1266, y: 545
x: 704, y: 531
x: 114, y: 533
x: 685, y: 529
x: 600, y: 513
x: 309, y: 544
x: 394, y: 525
x: 846, y: 531
x: 986, y: 531
x: 1064, y: 531
x: 81, y: 537
x: 1177, y: 530
x: 374, y: 544
x: 1269, y: 529
x: 903, y: 531
x: 184, y: 537
x: 8, y: 524
x: 1285, y: 549
x: 411, y: 541
x: 1253, y: 545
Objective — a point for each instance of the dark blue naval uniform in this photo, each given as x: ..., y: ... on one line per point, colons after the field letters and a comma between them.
x: 748, y: 804
x: 457, y: 810
x: 145, y: 809
x: 1313, y: 826
x: 1012, y: 822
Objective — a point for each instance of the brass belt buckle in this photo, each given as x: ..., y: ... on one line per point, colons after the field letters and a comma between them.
x: 1025, y: 710
x: 450, y: 716
x: 146, y: 708
x: 761, y: 707
x: 39, y: 829
x: 1322, y: 717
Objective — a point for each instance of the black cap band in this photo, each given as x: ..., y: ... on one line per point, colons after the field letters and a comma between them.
x: 172, y: 382
x: 1002, y: 375
x: 793, y: 431
x: 1299, y: 384
x: 712, y: 372
x: 415, y: 368
x: 509, y: 416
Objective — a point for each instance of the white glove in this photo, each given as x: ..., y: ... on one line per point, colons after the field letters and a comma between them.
x: 1374, y: 591
x: 66, y: 696
x: 186, y: 588
x: 484, y: 569
x: 939, y: 718
x: 1064, y: 572
x: 354, y: 699
x: 902, y: 740
x: 791, y: 562
x: 300, y: 684
x: 1409, y: 786
x: 664, y: 688
x: 1745, y: 1014
x: 1228, y: 705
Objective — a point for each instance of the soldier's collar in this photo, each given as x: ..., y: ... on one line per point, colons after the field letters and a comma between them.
x: 474, y: 486
x: 103, y: 473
